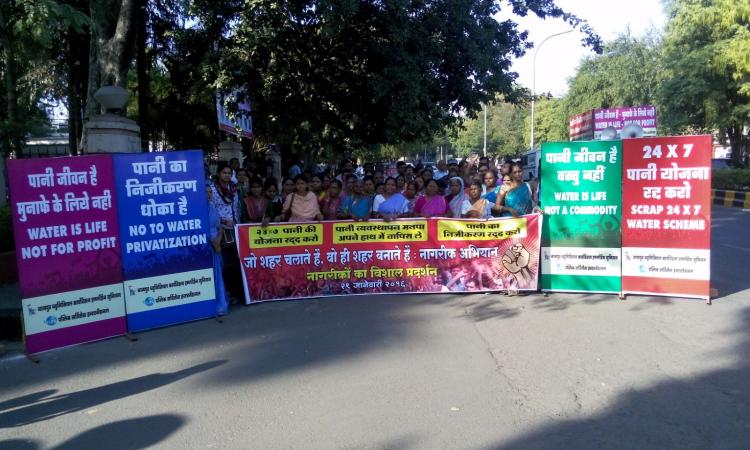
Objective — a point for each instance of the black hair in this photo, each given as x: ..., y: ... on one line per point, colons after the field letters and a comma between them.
x: 300, y: 177
x: 336, y: 181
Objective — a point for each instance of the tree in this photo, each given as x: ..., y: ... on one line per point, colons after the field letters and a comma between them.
x: 504, y: 131
x: 550, y: 121
x: 706, y: 81
x: 355, y: 73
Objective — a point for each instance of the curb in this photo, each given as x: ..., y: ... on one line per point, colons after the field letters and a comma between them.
x: 730, y: 199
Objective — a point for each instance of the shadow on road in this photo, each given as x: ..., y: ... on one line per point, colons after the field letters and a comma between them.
x: 39, y: 408
x: 143, y: 432
x: 708, y: 411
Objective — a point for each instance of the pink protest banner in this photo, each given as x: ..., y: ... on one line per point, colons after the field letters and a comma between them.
x: 287, y: 261
x: 666, y: 218
x: 68, y: 250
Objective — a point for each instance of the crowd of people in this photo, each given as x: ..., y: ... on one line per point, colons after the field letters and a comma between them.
x: 471, y: 188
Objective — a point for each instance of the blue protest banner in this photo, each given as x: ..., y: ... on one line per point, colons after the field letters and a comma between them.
x: 166, y: 255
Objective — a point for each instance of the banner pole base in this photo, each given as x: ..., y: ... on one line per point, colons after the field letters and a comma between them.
x: 130, y: 336
x: 32, y: 358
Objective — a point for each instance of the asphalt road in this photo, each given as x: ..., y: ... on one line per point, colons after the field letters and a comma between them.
x: 402, y: 372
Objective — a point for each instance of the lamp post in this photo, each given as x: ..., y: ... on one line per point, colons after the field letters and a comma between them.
x: 533, y: 80
x: 485, y: 131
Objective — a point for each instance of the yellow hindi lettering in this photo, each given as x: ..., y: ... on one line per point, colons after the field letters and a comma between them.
x: 492, y: 230
x: 285, y: 235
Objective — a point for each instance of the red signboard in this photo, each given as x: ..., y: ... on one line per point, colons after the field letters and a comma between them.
x: 666, y: 218
x: 290, y: 260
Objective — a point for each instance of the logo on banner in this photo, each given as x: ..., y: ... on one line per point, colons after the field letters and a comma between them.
x: 149, y: 301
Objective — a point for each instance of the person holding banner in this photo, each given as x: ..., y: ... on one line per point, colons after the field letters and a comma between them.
x: 432, y: 204
x: 301, y: 205
x: 517, y: 199
x: 214, y: 226
x: 357, y: 205
x: 227, y: 204
x: 390, y: 204
x: 456, y: 197
x: 476, y: 207
x: 332, y: 201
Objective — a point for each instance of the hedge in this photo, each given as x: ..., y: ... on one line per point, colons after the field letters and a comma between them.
x: 732, y: 179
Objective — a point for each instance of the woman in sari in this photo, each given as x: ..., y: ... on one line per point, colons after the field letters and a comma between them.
x: 432, y: 204
x: 517, y: 198
x: 455, y: 198
x: 476, y: 207
x: 390, y: 204
x: 301, y: 205
x: 330, y: 204
x: 255, y: 204
x: 357, y: 205
x: 411, y: 195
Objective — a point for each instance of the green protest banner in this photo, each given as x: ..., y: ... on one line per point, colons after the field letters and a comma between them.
x: 581, y: 190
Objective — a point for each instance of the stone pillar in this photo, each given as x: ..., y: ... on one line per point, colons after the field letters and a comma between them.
x: 111, y: 133
x: 229, y: 150
x: 274, y: 155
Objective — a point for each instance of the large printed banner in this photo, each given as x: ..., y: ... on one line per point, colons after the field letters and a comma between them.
x: 166, y: 254
x: 68, y: 250
x: 666, y: 236
x: 286, y: 261
x: 581, y: 197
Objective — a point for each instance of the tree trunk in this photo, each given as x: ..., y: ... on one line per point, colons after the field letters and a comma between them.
x: 11, y: 140
x: 111, y: 47
x: 143, y: 65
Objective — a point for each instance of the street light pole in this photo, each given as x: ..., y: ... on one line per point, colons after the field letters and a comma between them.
x: 533, y: 81
x: 485, y: 130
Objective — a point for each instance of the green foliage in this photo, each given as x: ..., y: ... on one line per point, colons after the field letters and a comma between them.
x: 6, y: 230
x: 706, y: 77
x: 732, y: 179
x: 357, y: 73
x: 550, y: 122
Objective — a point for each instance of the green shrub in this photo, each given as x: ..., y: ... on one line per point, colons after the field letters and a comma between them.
x: 732, y: 179
x: 6, y: 230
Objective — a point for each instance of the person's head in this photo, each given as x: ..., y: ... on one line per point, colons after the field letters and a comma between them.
x: 427, y: 174
x: 483, y: 168
x: 441, y: 165
x: 350, y: 179
x: 347, y: 166
x: 484, y: 160
x: 287, y: 187
x: 380, y: 188
x: 431, y: 187
x: 224, y: 173
x: 300, y: 185
x: 256, y: 187
x: 326, y: 181
x: 506, y: 180
x: 242, y: 176
x: 390, y: 186
x: 489, y: 179
x: 369, y: 185
x: 475, y: 190
x: 411, y: 190
x: 334, y: 189
x: 456, y: 185
x: 453, y: 171
x: 378, y: 176
x: 400, y: 182
x: 505, y: 168
x: 409, y: 172
x: 358, y: 187
x: 420, y: 183
x: 270, y: 189
x: 516, y: 172
x: 316, y: 184
x: 234, y: 164
x: 400, y: 167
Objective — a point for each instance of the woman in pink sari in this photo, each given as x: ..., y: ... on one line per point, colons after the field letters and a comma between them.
x: 432, y: 204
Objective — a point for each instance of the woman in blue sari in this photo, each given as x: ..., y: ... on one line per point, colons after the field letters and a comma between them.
x: 517, y: 199
x: 390, y: 204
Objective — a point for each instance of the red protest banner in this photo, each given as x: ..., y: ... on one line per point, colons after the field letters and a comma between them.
x: 286, y: 261
x: 666, y: 229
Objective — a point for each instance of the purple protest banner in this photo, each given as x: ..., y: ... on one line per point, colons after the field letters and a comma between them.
x: 68, y: 250
x: 643, y: 116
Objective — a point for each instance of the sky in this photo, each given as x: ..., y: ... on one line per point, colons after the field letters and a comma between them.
x: 559, y: 57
